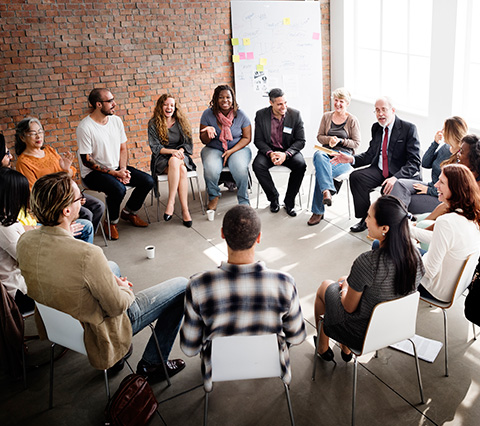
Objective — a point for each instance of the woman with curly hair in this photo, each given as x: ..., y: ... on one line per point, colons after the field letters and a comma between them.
x: 225, y: 130
x: 170, y: 139
x: 455, y: 235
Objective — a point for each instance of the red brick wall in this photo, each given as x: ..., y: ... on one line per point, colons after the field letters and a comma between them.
x: 53, y: 52
x: 325, y: 18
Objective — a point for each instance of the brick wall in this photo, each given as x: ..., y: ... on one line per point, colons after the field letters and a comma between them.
x: 53, y: 52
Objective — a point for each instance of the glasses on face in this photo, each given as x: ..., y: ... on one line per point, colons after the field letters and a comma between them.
x: 108, y: 101
x: 381, y: 110
x: 34, y: 133
x: 82, y: 197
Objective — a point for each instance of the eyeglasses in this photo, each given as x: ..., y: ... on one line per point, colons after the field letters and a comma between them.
x: 35, y: 133
x: 82, y: 197
x: 108, y: 101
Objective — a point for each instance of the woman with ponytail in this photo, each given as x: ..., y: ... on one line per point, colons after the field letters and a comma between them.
x: 392, y: 270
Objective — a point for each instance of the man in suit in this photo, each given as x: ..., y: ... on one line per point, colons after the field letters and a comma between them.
x: 279, y: 137
x: 394, y: 153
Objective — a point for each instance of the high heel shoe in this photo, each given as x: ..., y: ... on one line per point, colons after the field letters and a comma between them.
x: 328, y: 355
x: 346, y: 357
x: 166, y: 217
x: 188, y: 223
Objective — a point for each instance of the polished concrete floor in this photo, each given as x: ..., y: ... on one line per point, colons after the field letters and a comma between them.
x: 387, y: 386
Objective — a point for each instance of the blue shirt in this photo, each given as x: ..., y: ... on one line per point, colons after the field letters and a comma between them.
x: 239, y: 123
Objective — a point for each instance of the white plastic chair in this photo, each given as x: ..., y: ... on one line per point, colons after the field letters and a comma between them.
x: 192, y: 174
x: 64, y: 330
x: 391, y: 322
x: 278, y: 169
x: 463, y: 281
x: 246, y: 357
x: 345, y: 177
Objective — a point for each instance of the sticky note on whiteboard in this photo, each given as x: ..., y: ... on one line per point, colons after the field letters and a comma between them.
x: 316, y: 36
x: 259, y: 67
x: 235, y: 42
x: 286, y: 21
x: 242, y: 56
x: 249, y: 55
x: 246, y: 42
x: 263, y: 61
x: 235, y: 58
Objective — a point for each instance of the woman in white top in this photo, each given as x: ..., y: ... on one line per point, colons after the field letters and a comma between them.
x: 455, y: 235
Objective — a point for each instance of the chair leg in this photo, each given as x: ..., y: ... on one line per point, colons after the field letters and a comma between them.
x: 419, y: 376
x: 146, y: 212
x: 316, y: 349
x: 152, y: 328
x: 258, y: 193
x: 289, y: 403
x: 200, y: 195
x: 474, y: 335
x: 50, y: 403
x: 191, y: 187
x: 310, y: 189
x: 103, y: 234
x: 24, y: 365
x: 107, y: 386
x: 354, y: 391
x: 108, y: 220
x: 445, y: 337
x: 348, y: 199
x: 205, y: 412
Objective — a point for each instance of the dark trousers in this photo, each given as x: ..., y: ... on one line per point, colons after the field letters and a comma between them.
x: 92, y: 210
x: 296, y: 164
x: 115, y: 190
x: 362, y: 182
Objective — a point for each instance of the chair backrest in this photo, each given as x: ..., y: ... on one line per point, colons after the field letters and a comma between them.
x: 62, y: 328
x: 465, y: 276
x: 245, y: 357
x: 391, y: 322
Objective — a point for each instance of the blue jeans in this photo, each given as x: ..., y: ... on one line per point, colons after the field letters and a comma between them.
x: 116, y: 190
x: 325, y: 173
x: 237, y: 163
x: 164, y: 303
x: 86, y: 234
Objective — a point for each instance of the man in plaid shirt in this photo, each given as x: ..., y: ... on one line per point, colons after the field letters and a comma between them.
x: 241, y: 297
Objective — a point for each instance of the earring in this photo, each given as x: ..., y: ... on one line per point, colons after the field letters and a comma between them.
x: 383, y: 233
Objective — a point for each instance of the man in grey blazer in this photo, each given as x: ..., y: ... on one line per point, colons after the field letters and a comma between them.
x: 394, y: 153
x: 279, y: 137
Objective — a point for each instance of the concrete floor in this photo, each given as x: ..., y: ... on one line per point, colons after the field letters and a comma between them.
x: 387, y: 387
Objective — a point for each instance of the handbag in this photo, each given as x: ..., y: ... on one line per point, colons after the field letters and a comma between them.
x: 472, y: 301
x: 132, y: 404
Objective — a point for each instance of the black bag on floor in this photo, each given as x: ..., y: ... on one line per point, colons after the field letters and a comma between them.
x: 133, y: 404
x: 472, y: 301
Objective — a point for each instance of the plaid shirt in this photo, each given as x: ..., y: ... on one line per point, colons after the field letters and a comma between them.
x: 241, y: 300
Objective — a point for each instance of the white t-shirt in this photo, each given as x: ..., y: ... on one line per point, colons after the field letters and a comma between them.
x: 10, y: 274
x: 102, y: 141
x: 453, y: 239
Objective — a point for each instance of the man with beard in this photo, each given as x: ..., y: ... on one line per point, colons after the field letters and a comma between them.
x: 102, y: 145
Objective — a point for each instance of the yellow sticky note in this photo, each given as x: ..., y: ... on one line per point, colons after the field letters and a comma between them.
x: 259, y: 67
x: 286, y: 21
x: 246, y: 42
x: 263, y: 61
x: 234, y: 41
x: 235, y: 58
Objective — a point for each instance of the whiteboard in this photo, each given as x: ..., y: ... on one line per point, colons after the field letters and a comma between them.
x: 283, y: 38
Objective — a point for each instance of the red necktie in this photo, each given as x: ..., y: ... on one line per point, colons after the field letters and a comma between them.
x: 385, y: 154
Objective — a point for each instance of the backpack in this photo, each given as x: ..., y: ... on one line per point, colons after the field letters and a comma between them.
x: 132, y: 404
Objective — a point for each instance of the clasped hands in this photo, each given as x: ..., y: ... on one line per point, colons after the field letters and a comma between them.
x: 278, y: 157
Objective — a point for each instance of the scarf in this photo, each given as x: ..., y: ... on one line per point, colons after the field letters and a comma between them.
x: 226, y: 133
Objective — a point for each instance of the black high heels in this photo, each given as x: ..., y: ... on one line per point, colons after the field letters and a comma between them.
x: 328, y: 355
x: 188, y: 223
x: 346, y: 357
x: 167, y: 217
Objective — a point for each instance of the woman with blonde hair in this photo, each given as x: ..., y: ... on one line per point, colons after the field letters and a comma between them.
x: 170, y: 139
x: 420, y: 197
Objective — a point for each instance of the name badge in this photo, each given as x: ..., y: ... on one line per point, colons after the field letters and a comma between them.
x: 287, y: 130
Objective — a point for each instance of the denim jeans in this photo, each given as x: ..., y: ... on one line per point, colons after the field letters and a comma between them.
x: 325, y: 173
x: 237, y: 163
x: 86, y: 234
x: 116, y: 190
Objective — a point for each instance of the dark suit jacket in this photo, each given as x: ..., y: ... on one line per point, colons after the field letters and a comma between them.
x: 403, y: 150
x: 292, y: 142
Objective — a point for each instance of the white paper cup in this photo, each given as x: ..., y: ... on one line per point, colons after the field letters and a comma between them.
x: 210, y: 215
x: 150, y: 252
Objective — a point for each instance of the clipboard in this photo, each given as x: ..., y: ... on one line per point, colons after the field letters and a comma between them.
x: 326, y: 150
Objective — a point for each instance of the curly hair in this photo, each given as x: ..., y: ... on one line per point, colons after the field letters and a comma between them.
x: 216, y: 94
x: 465, y: 193
x: 161, y: 122
x: 473, y: 143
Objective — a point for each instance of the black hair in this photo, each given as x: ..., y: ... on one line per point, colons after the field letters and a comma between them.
x: 275, y: 93
x: 14, y: 195
x: 474, y: 155
x: 95, y: 96
x: 397, y: 245
x: 241, y: 227
x: 216, y: 95
x: 3, y: 147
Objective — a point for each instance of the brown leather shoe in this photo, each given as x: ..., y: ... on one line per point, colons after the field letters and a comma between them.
x: 315, y: 219
x: 212, y: 204
x: 113, y: 232
x: 133, y: 219
x: 327, y: 198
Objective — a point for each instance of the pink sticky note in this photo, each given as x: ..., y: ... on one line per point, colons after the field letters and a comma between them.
x: 242, y: 55
x: 249, y: 55
x: 316, y: 36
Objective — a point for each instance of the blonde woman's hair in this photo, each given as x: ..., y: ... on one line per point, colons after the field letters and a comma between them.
x: 454, y: 129
x: 160, y: 120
